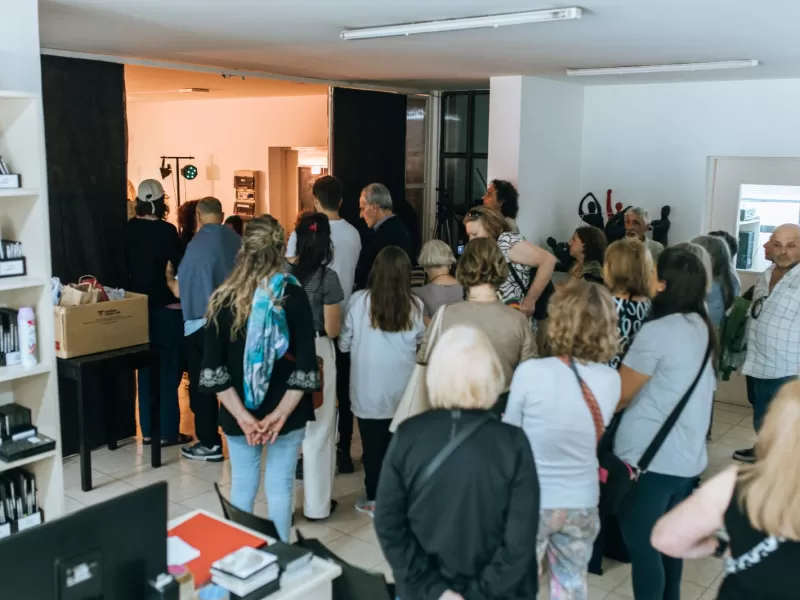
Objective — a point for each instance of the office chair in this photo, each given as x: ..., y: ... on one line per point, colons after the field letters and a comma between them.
x: 246, y: 519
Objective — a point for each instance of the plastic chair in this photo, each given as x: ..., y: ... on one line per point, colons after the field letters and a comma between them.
x: 246, y: 519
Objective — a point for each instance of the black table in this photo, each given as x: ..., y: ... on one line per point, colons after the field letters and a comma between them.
x: 80, y: 368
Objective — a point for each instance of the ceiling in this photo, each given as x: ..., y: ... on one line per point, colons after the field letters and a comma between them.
x: 151, y: 84
x: 301, y: 37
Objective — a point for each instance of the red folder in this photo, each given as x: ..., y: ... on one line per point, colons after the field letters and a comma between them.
x: 214, y: 539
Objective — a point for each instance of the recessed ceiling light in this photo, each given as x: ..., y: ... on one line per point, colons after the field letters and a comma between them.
x: 728, y: 64
x: 521, y: 18
x: 194, y: 90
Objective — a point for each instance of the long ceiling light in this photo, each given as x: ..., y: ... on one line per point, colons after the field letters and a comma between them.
x: 710, y: 66
x: 521, y: 18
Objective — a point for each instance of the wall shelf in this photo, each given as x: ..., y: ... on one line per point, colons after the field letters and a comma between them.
x: 18, y: 192
x: 25, y: 218
x: 4, y: 466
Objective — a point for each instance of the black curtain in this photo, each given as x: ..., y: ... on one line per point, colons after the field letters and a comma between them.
x: 86, y: 138
x: 369, y: 146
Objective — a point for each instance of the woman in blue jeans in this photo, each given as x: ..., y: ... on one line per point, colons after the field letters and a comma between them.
x: 661, y: 364
x: 260, y: 360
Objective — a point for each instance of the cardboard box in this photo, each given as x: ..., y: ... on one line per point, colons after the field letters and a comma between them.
x: 93, y: 328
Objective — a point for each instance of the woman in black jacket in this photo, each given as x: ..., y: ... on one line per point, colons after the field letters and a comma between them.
x: 469, y: 530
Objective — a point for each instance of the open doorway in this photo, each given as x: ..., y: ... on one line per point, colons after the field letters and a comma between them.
x: 231, y: 127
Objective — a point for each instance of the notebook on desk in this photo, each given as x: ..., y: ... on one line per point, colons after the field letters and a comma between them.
x: 214, y: 539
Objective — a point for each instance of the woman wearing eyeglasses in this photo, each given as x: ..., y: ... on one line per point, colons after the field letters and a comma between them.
x: 523, y: 288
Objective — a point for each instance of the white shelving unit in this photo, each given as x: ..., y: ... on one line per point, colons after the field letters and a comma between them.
x: 24, y: 217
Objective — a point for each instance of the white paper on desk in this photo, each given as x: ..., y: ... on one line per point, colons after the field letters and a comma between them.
x: 179, y: 552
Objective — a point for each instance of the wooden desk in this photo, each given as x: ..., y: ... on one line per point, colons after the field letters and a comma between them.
x: 81, y: 367
x: 317, y: 586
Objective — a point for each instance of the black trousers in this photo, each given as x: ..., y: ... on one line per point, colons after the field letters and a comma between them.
x: 375, y: 438
x: 204, y: 406
x: 343, y: 395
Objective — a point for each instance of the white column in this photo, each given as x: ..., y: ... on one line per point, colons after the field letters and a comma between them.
x: 20, y: 66
x: 535, y: 139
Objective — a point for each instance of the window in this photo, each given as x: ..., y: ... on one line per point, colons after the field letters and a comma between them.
x: 416, y: 126
x: 464, y: 148
x: 762, y: 208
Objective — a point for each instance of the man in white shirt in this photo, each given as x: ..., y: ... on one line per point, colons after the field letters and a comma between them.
x: 327, y: 192
x: 637, y: 224
x: 773, y: 333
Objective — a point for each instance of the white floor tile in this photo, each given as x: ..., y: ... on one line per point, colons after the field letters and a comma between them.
x: 71, y: 505
x: 318, y: 531
x: 702, y: 572
x: 207, y: 501
x: 105, y: 490
x: 384, y: 569
x: 357, y: 552
x: 116, y: 461
x: 184, y: 486
x: 614, y: 573
x: 175, y: 510
x: 367, y: 534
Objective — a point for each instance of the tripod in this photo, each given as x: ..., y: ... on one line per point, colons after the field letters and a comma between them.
x: 443, y: 228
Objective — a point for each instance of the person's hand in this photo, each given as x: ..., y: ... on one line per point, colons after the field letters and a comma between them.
x: 170, y: 271
x: 271, y: 425
x: 451, y: 595
x: 527, y: 307
x: 250, y: 427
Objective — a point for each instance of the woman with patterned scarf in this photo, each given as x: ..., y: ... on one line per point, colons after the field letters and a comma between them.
x: 260, y: 360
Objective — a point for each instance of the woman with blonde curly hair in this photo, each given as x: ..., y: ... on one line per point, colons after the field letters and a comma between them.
x: 260, y: 360
x: 563, y: 403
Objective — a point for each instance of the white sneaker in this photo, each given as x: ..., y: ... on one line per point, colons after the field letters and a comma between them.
x: 366, y: 506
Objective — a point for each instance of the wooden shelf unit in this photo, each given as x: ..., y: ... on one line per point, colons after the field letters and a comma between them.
x: 24, y: 217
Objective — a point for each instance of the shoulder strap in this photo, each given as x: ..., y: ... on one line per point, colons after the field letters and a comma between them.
x: 673, y: 417
x: 448, y: 450
x: 518, y: 279
x: 435, y: 329
x: 589, y: 398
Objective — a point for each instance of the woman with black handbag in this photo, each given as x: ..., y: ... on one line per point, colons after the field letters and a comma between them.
x: 668, y: 383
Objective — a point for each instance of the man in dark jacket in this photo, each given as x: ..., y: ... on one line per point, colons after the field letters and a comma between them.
x: 208, y: 261
x: 377, y: 210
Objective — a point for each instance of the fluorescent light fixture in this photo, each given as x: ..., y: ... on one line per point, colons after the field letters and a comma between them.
x: 520, y: 18
x: 194, y: 90
x: 728, y: 64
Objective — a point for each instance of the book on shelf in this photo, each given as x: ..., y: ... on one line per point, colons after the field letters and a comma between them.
x: 19, y: 503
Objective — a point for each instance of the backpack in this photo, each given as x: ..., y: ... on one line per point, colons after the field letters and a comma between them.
x: 733, y: 338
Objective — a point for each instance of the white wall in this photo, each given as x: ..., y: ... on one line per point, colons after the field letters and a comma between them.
x: 20, y: 67
x: 223, y: 135
x: 535, y: 133
x: 651, y: 143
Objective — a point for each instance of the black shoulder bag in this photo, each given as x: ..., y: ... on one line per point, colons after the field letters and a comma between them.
x: 540, y: 312
x: 618, y: 479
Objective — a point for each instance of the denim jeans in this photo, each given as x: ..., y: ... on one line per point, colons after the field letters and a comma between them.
x: 166, y: 335
x: 278, y: 479
x: 655, y: 575
x: 760, y: 393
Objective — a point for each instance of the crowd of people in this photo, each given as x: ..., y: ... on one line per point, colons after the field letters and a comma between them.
x: 498, y: 477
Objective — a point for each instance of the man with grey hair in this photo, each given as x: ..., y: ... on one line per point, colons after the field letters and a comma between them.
x: 377, y: 210
x: 637, y: 224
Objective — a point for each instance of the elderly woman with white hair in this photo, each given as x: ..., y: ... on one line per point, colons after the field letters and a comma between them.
x: 442, y: 288
x: 454, y: 520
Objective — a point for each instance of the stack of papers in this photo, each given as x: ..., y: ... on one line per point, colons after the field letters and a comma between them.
x: 245, y: 571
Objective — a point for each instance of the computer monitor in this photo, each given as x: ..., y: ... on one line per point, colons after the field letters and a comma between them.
x: 103, y: 552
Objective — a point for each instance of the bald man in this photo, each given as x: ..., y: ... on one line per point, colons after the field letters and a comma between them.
x: 773, y: 333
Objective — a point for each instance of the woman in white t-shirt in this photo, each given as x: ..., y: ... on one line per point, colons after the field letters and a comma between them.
x: 563, y: 404
x: 381, y: 331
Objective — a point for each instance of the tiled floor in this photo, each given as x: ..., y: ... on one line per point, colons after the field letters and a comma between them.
x: 350, y: 534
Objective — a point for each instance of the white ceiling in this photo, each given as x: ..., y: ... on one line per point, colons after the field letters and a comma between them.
x: 301, y: 37
x: 151, y: 84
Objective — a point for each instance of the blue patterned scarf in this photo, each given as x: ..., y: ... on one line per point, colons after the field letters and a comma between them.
x: 267, y: 337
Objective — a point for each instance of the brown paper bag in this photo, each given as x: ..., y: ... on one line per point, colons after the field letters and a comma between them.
x: 76, y: 294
